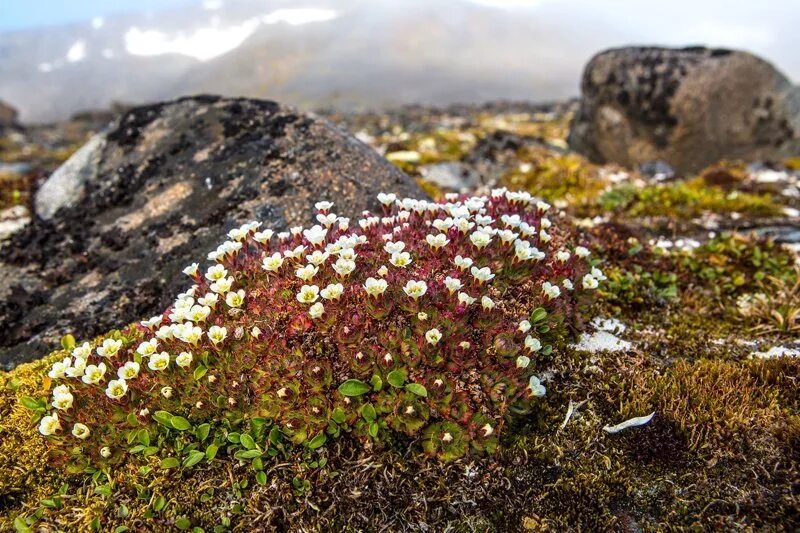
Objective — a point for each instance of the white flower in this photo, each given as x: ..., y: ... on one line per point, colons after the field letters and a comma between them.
x: 394, y: 247
x: 83, y: 351
x: 238, y: 234
x: 216, y: 272
x: 49, y: 424
x: 105, y: 452
x: 191, y: 270
x: 217, y: 334
x: 317, y: 257
x: 308, y: 294
x: 487, y: 303
x: 523, y: 361
x: 62, y: 397
x: 255, y: 332
x: 316, y: 310
x: 128, y: 371
x: 589, y: 282
x: 567, y: 284
x: 482, y: 274
x: 59, y: 368
x: 198, y: 313
x: 80, y: 431
x: 415, y: 289
x: 465, y: 298
x: 77, y: 368
x: 550, y: 290
x: 222, y: 286
x: 462, y: 263
x: 375, y: 287
x: 262, y: 237
x: 235, y: 299
x: 536, y: 387
x: 433, y: 336
x: 347, y: 253
x: 184, y: 359
x: 152, y: 322
x: 437, y: 241
x: 382, y: 271
x: 511, y: 220
x: 422, y: 315
x: 166, y: 392
x: 524, y: 326
x: 272, y: 263
x: 544, y: 236
x: 563, y: 256
x: 598, y: 274
x: 306, y: 273
x: 109, y: 348
x: 452, y: 284
x: 209, y: 300
x: 400, y: 259
x: 532, y: 344
x: 159, y: 361
x: 323, y: 206
x: 326, y: 220
x: 316, y: 235
x: 116, y: 389
x: 542, y: 206
x: 344, y: 267
x: 387, y: 199
x: 147, y: 347
x: 94, y: 373
x: 582, y: 252
x: 332, y: 292
x: 545, y: 223
x: 480, y: 239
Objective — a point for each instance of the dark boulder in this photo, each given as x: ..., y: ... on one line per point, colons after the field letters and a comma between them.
x: 158, y: 190
x: 689, y: 107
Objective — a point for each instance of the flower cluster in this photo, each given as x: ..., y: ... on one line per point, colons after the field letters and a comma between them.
x: 426, y: 319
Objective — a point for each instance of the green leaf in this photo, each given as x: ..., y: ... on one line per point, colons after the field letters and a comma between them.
x: 170, y: 462
x: 257, y: 464
x: 246, y: 454
x: 31, y: 403
x: 199, y: 372
x: 202, y: 431
x: 49, y: 503
x: 103, y: 490
x: 164, y: 418
x: 317, y: 441
x: 538, y: 315
x: 396, y: 378
x: 159, y: 503
x: 247, y: 441
x: 373, y: 429
x: 21, y: 526
x: 368, y: 412
x: 68, y: 341
x: 183, y: 523
x: 377, y: 382
x: 180, y: 423
x: 211, y: 451
x: 261, y: 478
x: 121, y: 529
x: 354, y: 387
x: 275, y: 435
x: 144, y: 437
x: 417, y: 389
x: 234, y: 437
x: 150, y: 450
x: 338, y: 415
x: 193, y: 458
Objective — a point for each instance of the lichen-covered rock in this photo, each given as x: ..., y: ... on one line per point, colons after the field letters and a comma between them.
x: 165, y: 180
x: 689, y: 107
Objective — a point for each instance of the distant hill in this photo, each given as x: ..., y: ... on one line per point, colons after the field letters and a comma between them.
x: 352, y: 54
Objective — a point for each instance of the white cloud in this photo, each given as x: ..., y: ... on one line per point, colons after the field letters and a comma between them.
x: 98, y: 22
x: 209, y: 42
x: 77, y: 51
x: 507, y: 4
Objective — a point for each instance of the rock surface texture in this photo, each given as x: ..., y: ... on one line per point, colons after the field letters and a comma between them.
x: 157, y: 191
x: 689, y: 107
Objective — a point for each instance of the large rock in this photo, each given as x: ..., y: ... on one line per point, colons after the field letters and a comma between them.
x: 689, y: 107
x: 8, y: 116
x: 157, y: 191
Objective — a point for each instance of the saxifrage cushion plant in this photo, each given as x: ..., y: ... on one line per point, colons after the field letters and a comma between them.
x: 428, y: 320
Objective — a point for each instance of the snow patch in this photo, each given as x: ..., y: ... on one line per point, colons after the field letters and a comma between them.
x: 77, y: 52
x: 776, y: 351
x: 601, y: 341
x: 209, y: 42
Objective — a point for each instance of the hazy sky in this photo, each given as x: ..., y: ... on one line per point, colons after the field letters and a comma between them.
x: 766, y: 27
